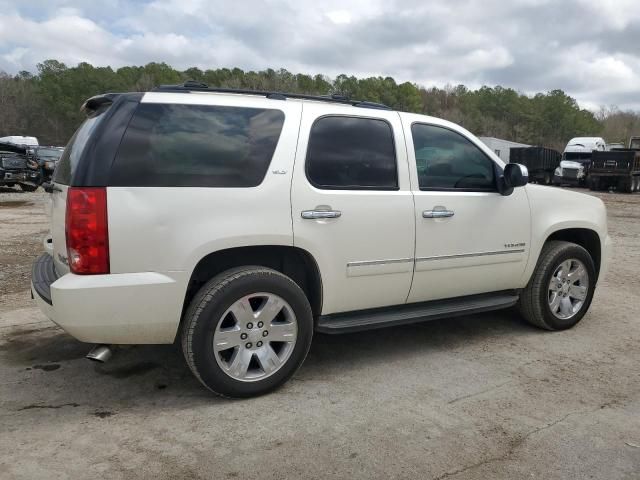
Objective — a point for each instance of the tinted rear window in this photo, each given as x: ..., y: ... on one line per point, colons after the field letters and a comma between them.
x: 352, y: 153
x: 73, y: 150
x: 197, y: 146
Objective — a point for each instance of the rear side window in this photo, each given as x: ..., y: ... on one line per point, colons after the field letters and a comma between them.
x: 448, y: 161
x: 72, y: 152
x: 352, y: 153
x: 169, y: 145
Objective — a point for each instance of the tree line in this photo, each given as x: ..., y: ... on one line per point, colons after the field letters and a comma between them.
x: 46, y: 104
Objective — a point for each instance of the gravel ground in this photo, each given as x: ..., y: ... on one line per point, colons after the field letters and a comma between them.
x: 477, y: 397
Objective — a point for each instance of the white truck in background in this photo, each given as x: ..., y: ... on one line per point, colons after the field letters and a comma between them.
x: 576, y: 160
x: 20, y: 140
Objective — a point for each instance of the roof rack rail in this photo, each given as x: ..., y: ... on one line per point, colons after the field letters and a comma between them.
x: 193, y: 86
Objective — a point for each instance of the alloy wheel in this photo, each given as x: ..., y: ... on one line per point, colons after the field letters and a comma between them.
x: 255, y: 337
x: 568, y: 289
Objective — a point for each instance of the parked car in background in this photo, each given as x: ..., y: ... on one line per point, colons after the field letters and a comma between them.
x: 618, y: 168
x: 14, y: 169
x: 576, y: 160
x: 44, y: 159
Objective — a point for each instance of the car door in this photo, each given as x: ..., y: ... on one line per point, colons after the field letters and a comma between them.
x: 353, y: 206
x: 470, y: 239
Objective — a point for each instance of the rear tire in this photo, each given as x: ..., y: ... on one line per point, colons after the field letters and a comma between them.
x: 547, y: 178
x: 548, y: 300
x: 223, y: 335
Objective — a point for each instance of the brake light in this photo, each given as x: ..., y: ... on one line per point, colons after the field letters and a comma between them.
x: 86, y: 230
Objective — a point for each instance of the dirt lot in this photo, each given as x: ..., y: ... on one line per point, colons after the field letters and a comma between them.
x: 477, y: 397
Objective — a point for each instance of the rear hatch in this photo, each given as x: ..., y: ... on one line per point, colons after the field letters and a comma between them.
x: 61, y: 181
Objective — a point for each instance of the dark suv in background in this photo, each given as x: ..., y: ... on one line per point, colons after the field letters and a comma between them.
x: 14, y: 168
x: 44, y: 159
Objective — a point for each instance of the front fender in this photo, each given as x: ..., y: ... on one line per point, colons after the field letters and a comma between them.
x: 554, y: 210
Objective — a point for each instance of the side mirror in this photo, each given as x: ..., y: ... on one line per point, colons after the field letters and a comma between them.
x: 514, y: 175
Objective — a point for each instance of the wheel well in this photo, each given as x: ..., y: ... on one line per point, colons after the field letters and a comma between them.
x: 297, y: 264
x: 587, y: 239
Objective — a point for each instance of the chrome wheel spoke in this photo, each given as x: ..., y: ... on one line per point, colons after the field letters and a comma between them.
x: 565, y: 268
x: 282, y: 332
x: 242, y: 311
x: 268, y: 359
x: 240, y: 361
x: 270, y: 309
x: 577, y: 275
x: 578, y: 292
x: 226, y: 339
x: 566, y: 308
x: 555, y: 303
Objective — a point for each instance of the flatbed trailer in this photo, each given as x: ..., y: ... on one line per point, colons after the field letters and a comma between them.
x: 618, y: 168
x: 540, y: 161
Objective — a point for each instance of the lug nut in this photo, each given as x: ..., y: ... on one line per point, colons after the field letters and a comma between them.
x: 243, y: 336
x: 249, y: 325
x: 248, y: 345
x: 265, y: 333
x: 260, y: 324
x: 259, y: 344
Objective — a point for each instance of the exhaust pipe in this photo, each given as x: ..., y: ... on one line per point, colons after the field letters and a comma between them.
x: 100, y: 353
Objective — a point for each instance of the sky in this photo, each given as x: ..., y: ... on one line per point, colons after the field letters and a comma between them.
x: 588, y: 48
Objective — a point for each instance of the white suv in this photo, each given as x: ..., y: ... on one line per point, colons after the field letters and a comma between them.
x: 243, y: 222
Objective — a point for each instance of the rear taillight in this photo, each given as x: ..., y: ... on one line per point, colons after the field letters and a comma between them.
x: 86, y: 230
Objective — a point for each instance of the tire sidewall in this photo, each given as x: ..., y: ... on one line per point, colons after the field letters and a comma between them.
x: 209, y: 312
x: 570, y: 252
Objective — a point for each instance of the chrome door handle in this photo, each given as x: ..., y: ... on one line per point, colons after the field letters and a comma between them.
x: 314, y: 214
x: 437, y: 213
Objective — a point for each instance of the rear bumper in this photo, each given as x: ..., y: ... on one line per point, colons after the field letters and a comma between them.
x: 127, y: 308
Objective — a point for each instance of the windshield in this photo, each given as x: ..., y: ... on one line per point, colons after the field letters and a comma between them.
x: 635, y: 143
x: 577, y: 156
x: 50, y: 152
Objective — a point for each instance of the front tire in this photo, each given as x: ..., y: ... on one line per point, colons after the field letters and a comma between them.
x: 561, y: 289
x: 247, y: 331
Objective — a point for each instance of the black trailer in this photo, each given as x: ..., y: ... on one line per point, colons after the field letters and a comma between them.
x: 618, y: 168
x: 540, y: 161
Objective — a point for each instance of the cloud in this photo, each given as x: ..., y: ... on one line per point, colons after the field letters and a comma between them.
x: 586, y: 47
